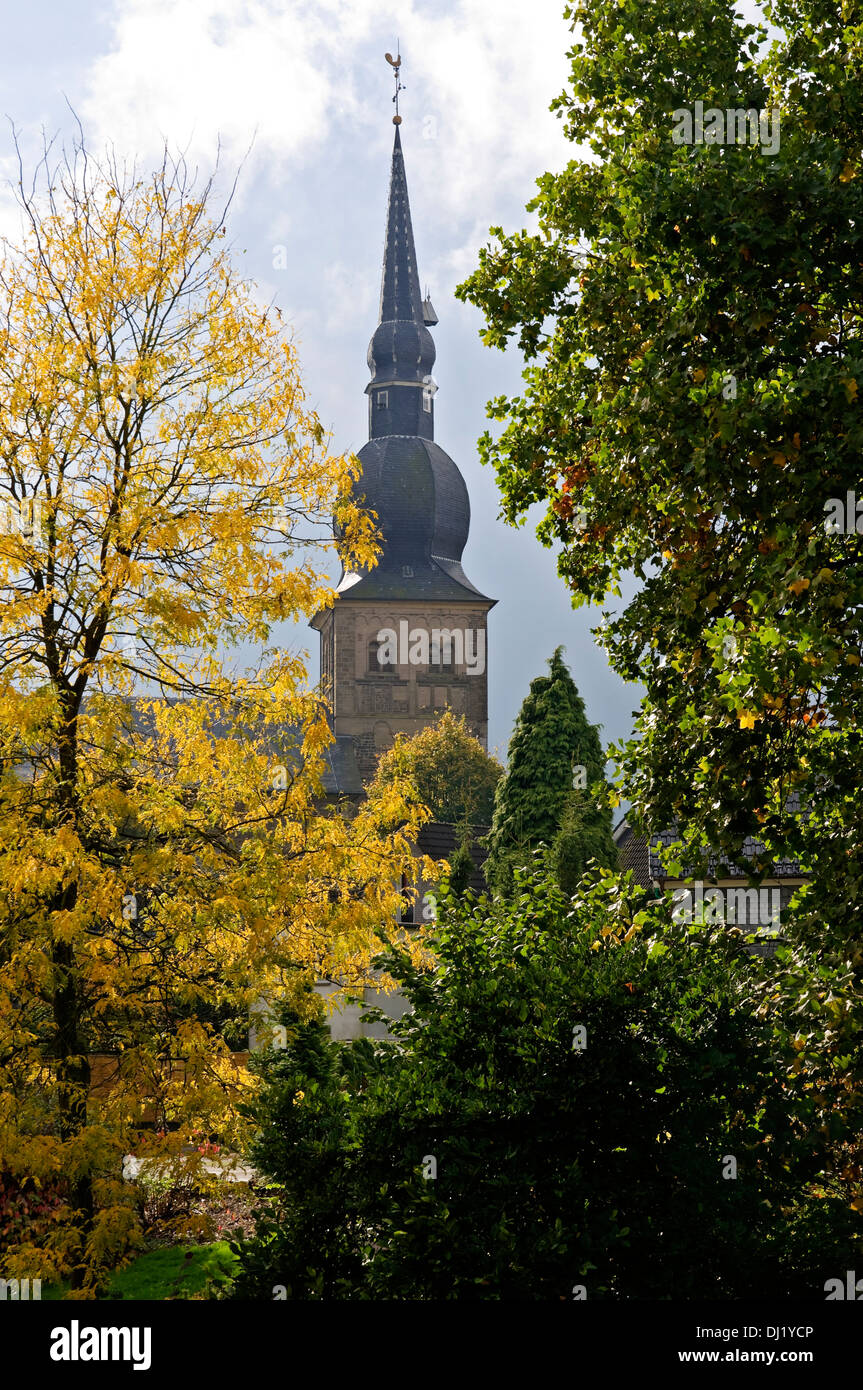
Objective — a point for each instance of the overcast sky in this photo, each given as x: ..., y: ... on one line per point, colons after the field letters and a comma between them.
x: 301, y: 92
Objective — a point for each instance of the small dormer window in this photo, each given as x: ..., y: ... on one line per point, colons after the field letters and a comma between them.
x: 407, y: 571
x: 383, y: 399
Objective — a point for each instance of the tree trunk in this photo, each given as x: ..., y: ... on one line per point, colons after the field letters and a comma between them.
x: 73, y: 1063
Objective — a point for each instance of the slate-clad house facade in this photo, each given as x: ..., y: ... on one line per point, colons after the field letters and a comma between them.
x: 742, y: 902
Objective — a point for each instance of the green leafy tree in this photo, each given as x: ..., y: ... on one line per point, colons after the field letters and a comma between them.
x: 691, y: 319
x: 691, y: 316
x: 584, y: 1096
x: 449, y: 769
x: 552, y: 790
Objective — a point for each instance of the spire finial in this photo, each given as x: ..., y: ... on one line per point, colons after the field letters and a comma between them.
x: 395, y: 63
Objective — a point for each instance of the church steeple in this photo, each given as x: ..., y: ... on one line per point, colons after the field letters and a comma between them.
x: 409, y: 482
x: 401, y: 353
x: 420, y: 504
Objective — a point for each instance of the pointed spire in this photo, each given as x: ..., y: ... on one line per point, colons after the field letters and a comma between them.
x: 400, y: 282
x: 401, y: 353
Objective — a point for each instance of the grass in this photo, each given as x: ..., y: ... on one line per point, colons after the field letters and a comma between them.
x: 177, y: 1271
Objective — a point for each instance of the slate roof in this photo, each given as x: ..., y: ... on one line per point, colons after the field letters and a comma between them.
x: 423, y: 513
x: 438, y: 840
x: 644, y: 859
x: 717, y: 866
x: 632, y: 853
x: 401, y: 300
x: 340, y: 775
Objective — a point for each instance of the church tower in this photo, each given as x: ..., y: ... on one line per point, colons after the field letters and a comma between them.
x: 406, y: 639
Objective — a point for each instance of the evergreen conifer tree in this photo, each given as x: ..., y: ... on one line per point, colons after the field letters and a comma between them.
x: 461, y: 864
x: 549, y: 794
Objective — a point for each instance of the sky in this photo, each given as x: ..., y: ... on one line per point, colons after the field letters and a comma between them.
x: 299, y: 95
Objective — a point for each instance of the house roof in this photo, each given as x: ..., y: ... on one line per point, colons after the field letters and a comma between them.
x: 641, y: 853
x: 340, y: 775
x: 439, y: 840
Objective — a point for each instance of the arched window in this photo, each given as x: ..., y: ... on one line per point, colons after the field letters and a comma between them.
x: 375, y: 666
x: 441, y: 657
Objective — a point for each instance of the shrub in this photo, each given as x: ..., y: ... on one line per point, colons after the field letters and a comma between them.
x: 558, y: 1112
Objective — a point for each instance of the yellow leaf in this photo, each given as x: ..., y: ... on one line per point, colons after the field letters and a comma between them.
x: 798, y: 585
x: 747, y: 718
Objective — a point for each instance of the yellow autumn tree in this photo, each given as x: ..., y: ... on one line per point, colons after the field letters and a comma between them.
x: 167, y: 857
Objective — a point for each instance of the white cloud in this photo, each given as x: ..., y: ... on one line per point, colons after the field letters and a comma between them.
x: 478, y: 75
x: 197, y: 71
